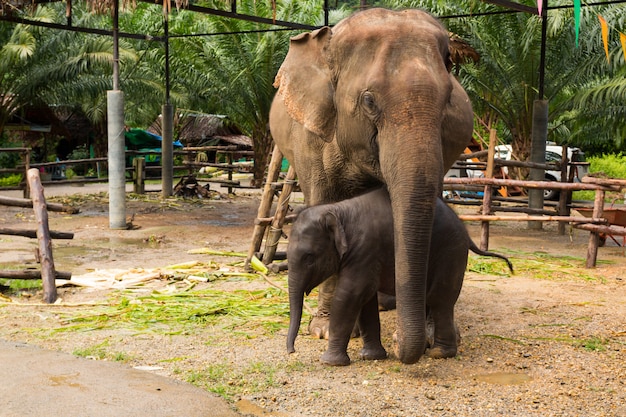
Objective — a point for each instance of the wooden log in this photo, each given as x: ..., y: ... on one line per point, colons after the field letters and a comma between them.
x: 139, y: 175
x: 276, y: 228
x: 43, y: 236
x: 496, y: 218
x: 28, y: 203
x: 33, y: 233
x: 553, y: 185
x: 31, y: 274
x: 266, y: 221
x: 523, y: 210
x: 594, y: 237
x: 488, y: 193
x: 273, y: 171
x: 604, y: 181
x: 599, y: 228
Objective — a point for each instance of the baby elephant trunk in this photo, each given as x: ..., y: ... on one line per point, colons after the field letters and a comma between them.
x: 296, y: 302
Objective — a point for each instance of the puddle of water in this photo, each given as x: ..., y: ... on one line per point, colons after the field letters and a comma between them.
x: 64, y: 380
x: 503, y: 378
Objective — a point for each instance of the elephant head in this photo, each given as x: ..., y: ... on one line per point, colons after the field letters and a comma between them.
x: 377, y: 103
x: 316, y: 244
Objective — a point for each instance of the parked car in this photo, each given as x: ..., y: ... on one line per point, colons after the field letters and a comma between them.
x: 553, y: 154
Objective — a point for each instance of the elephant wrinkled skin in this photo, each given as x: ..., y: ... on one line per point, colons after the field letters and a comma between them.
x: 354, y: 239
x: 371, y: 102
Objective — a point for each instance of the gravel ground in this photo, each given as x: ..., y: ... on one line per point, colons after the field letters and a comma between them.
x: 549, y: 346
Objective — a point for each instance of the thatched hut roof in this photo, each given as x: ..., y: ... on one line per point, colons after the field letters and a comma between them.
x: 204, y: 129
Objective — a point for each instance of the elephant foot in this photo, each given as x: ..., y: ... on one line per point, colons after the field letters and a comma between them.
x: 335, y: 359
x: 319, y: 326
x: 369, y: 354
x: 441, y: 352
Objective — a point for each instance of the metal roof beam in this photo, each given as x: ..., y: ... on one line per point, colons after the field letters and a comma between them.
x: 513, y: 6
x: 249, y: 18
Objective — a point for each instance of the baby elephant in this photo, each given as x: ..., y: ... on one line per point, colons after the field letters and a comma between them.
x: 354, y: 239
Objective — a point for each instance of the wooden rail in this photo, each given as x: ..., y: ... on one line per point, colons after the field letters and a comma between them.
x: 596, y: 224
x: 190, y: 165
x: 48, y: 274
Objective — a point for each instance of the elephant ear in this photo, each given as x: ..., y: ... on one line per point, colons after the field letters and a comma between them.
x: 336, y: 232
x: 304, y: 83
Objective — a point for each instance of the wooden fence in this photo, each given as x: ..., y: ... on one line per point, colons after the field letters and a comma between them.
x: 191, y: 160
x: 43, y: 234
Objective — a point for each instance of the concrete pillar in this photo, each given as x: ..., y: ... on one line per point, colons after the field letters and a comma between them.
x: 167, y: 152
x: 116, y: 159
x: 538, y: 155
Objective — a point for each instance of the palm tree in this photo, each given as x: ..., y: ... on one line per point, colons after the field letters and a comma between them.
x: 18, y: 53
x: 233, y: 74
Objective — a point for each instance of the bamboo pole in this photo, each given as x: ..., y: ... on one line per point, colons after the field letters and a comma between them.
x: 43, y: 236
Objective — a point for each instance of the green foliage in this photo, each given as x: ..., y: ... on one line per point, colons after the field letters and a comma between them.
x: 11, y: 180
x: 612, y: 165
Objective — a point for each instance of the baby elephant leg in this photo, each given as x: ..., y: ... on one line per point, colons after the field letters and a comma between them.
x: 369, y: 325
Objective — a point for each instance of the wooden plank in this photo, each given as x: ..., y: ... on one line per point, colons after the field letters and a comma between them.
x: 43, y: 236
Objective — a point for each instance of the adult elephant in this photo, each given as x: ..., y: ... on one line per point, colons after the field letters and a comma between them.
x: 372, y: 101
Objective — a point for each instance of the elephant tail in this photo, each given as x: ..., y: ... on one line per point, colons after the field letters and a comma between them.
x: 481, y: 252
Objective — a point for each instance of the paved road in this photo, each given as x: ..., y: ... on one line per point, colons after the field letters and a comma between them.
x: 36, y: 382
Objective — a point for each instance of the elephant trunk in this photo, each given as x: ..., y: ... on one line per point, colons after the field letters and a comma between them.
x: 414, y: 184
x: 296, y: 302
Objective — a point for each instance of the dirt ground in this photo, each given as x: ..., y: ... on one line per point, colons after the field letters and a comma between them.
x: 531, y: 346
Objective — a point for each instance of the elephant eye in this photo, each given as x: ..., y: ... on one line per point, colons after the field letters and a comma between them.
x: 369, y: 103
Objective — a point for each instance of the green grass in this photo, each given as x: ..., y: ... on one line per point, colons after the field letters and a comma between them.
x: 101, y: 351
x: 609, y: 165
x: 539, y: 265
x: 230, y: 381
x: 242, y: 312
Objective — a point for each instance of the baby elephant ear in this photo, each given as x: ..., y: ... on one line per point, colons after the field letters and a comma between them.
x: 304, y: 83
x: 336, y: 233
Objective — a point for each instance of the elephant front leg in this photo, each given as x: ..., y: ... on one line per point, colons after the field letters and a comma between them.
x: 369, y: 325
x: 345, y: 311
x: 445, y: 339
x: 319, y: 326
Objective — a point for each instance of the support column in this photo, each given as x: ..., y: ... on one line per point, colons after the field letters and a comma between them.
x: 116, y: 159
x: 167, y: 151
x: 538, y: 155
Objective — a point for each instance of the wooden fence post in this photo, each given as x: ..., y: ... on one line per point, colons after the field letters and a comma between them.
x: 139, y: 175
x: 48, y: 274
